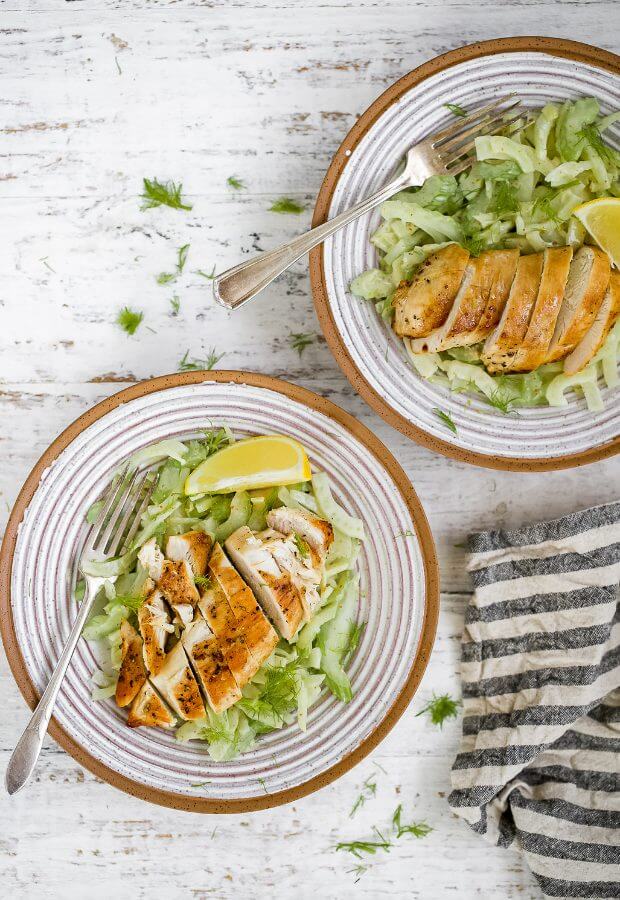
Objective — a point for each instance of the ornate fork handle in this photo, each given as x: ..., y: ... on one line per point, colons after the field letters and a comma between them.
x: 236, y: 286
x: 26, y: 753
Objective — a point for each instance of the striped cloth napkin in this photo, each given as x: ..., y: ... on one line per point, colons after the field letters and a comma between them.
x: 539, y: 762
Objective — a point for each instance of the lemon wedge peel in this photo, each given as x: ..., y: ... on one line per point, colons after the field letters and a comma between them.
x: 249, y: 464
x: 601, y: 219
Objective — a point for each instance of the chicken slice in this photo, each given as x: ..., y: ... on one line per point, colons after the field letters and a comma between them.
x: 149, y: 709
x: 478, y: 304
x: 502, y: 344
x: 194, y: 547
x: 606, y: 318
x: 155, y: 626
x: 132, y: 674
x: 152, y: 559
x: 316, y: 531
x: 231, y: 634
x: 253, y: 627
x: 177, y: 685
x: 587, y: 284
x: 303, y: 563
x: 207, y: 660
x: 275, y: 590
x: 535, y: 345
x: 177, y: 585
x: 423, y: 304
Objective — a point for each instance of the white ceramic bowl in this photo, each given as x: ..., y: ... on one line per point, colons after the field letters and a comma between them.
x: 373, y: 358
x: 399, y: 597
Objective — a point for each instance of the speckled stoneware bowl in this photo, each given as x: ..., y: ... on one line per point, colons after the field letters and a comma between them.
x: 399, y: 591
x: 370, y: 355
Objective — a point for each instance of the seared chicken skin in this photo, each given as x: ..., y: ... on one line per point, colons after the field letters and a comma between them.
x: 132, y: 674
x: 278, y: 595
x: 535, y: 344
x: 178, y: 687
x: 478, y: 304
x: 595, y: 337
x: 155, y: 626
x: 149, y: 709
x: 194, y: 547
x: 502, y: 344
x: 207, y: 659
x: 316, y: 531
x: 252, y: 625
x: 174, y: 579
x: 424, y: 303
x: 587, y: 284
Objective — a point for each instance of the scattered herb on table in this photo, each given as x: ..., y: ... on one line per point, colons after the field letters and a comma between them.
x: 165, y: 277
x: 357, y: 848
x: 301, y: 340
x: 182, y: 257
x: 417, y: 829
x: 162, y: 193
x: 129, y: 319
x: 192, y: 365
x: 456, y: 110
x: 440, y: 708
x: 175, y: 304
x: 358, y: 870
x: 445, y: 418
x: 369, y: 789
x: 236, y: 183
x: 286, y: 205
x: 208, y: 275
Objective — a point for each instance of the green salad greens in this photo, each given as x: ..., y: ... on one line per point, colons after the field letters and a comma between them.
x: 296, y: 673
x: 519, y: 193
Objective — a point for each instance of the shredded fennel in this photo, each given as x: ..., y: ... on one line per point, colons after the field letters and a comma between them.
x: 520, y: 192
x: 289, y: 683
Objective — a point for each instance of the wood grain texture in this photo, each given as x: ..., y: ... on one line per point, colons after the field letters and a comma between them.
x: 95, y: 96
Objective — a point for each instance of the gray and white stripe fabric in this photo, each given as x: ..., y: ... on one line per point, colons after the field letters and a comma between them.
x: 539, y: 763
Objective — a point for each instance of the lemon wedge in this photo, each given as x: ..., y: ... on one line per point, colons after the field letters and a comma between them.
x: 601, y: 219
x: 257, y: 462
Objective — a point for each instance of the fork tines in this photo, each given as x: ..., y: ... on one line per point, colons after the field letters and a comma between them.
x: 121, y: 511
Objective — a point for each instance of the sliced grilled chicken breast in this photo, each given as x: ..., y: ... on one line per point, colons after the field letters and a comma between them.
x: 502, y: 344
x: 234, y: 642
x: 606, y: 318
x: 207, y: 660
x: 299, y: 560
x: 478, y: 304
x: 316, y: 531
x: 274, y: 589
x: 424, y: 303
x: 194, y: 547
x: 155, y: 626
x: 149, y: 709
x: 177, y: 585
x: 535, y: 345
x: 132, y: 674
x: 177, y: 685
x: 152, y: 559
x: 587, y: 283
x: 253, y: 626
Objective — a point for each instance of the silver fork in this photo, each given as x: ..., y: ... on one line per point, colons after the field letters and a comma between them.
x: 111, y: 535
x: 444, y: 153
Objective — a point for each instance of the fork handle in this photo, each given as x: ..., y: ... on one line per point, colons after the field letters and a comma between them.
x: 236, y: 286
x: 26, y: 753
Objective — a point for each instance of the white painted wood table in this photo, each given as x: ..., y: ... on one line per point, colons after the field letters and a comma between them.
x: 94, y: 97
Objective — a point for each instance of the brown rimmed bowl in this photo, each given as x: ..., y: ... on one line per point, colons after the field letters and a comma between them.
x: 397, y: 566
